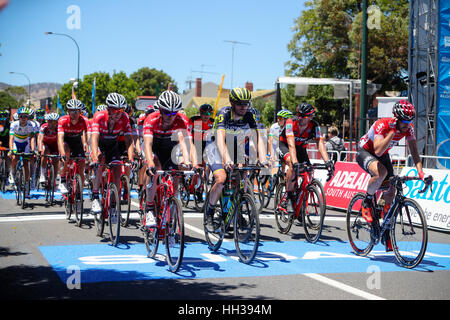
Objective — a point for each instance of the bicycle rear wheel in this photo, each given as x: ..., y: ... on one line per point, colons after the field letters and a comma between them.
x: 114, y: 214
x: 174, y: 235
x: 312, y: 214
x: 77, y: 205
x: 246, y: 229
x: 200, y: 195
x: 19, y: 186
x: 358, y: 229
x: 125, y: 201
x: 409, y: 234
x: 283, y: 206
x: 150, y: 235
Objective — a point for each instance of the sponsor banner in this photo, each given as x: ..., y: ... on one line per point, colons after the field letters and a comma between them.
x: 349, y: 178
x: 435, y: 203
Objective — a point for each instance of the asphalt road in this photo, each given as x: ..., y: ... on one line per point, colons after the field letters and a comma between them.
x: 41, y: 253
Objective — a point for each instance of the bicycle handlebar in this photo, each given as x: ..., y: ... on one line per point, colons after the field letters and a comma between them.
x: 428, y: 181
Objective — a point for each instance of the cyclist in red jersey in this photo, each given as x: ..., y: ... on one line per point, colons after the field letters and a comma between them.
x: 48, y: 142
x: 293, y: 142
x: 373, y: 155
x: 72, y: 130
x: 164, y: 130
x: 107, y: 125
x: 201, y: 126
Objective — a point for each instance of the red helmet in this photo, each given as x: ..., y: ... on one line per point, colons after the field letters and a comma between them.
x: 404, y: 110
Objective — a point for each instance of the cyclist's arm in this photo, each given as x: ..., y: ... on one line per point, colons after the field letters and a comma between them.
x: 183, y: 147
x: 61, y: 144
x: 148, y: 142
x: 292, y: 150
x: 412, y: 146
x: 130, y: 147
x: 322, y: 149
x: 84, y: 142
x: 261, y: 147
x: 40, y: 142
x: 11, y: 141
x: 380, y: 143
x: 33, y: 143
x: 221, y: 146
x: 94, y: 146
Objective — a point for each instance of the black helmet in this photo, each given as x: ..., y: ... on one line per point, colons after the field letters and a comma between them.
x: 305, y: 110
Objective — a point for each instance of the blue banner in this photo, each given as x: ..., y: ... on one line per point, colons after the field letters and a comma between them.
x: 443, y: 83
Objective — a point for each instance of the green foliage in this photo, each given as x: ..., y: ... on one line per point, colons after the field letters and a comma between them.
x: 150, y: 80
x: 7, y: 101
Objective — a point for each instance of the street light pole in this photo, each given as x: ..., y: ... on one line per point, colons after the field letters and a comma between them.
x: 29, y: 83
x: 78, y: 49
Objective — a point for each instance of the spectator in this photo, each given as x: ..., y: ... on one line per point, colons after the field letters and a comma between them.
x: 335, y: 143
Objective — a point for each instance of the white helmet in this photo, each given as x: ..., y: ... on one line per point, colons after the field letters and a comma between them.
x: 51, y: 116
x: 116, y: 101
x: 74, y: 104
x: 169, y: 101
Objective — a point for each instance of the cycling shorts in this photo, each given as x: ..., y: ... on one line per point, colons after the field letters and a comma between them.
x: 302, y: 154
x: 364, y: 158
x: 51, y: 148
x: 110, y: 149
x: 20, y: 147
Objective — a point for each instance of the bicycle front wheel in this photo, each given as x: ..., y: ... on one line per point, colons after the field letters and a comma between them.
x: 174, y: 235
x: 246, y: 229
x: 313, y: 214
x: 214, y: 238
x: 77, y: 205
x: 409, y: 234
x: 358, y: 229
x: 114, y: 214
x: 19, y: 186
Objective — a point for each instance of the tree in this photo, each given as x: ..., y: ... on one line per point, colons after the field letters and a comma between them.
x: 327, y: 43
x: 152, y: 80
x: 7, y: 101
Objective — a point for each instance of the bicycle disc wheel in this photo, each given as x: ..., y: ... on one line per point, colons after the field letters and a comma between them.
x: 77, y: 205
x: 409, y: 234
x: 150, y: 237
x: 358, y: 229
x: 114, y: 214
x: 125, y: 201
x: 174, y: 235
x: 214, y: 239
x: 246, y: 229
x: 282, y: 208
x: 312, y: 214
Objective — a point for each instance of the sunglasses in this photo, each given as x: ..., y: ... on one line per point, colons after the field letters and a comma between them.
x: 169, y: 114
x: 205, y: 113
x: 23, y: 116
x: 74, y: 111
x: 406, y: 121
x: 115, y: 111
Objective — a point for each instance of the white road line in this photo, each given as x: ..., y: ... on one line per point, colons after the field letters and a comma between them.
x: 343, y: 286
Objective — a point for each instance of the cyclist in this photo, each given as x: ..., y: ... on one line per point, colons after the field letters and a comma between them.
x: 140, y: 127
x: 4, y: 128
x: 373, y: 154
x: 40, y: 116
x: 107, y: 125
x: 201, y: 125
x: 232, y: 123
x: 21, y: 139
x: 72, y: 129
x: 48, y: 142
x: 293, y: 142
x: 274, y: 134
x: 163, y: 131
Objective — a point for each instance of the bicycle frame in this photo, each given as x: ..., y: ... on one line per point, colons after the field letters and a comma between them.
x: 72, y: 169
x: 107, y: 178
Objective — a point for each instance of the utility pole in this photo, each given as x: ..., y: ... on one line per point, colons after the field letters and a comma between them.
x: 233, y: 44
x: 363, y: 96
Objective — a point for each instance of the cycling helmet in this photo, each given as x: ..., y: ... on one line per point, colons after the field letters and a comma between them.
x: 25, y: 110
x: 102, y: 107
x: 169, y: 101
x: 305, y: 110
x: 3, y: 115
x: 116, y: 101
x: 284, y: 114
x: 52, y: 116
x: 404, y: 110
x: 40, y: 112
x: 205, y: 108
x: 240, y: 96
x: 74, y: 104
x: 128, y: 109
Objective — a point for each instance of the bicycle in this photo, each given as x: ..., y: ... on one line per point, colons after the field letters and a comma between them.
x: 308, y: 206
x: 19, y: 178
x: 50, y: 183
x: 73, y: 200
x: 125, y: 193
x: 169, y: 220
x: 110, y: 202
x: 237, y: 207
x: 195, y: 185
x: 3, y: 168
x: 404, y: 218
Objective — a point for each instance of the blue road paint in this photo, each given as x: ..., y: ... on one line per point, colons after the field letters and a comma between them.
x: 40, y: 195
x: 102, y: 262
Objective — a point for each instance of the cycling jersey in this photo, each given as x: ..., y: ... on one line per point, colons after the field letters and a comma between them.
x: 100, y: 126
x: 50, y: 137
x: 380, y: 129
x: 200, y: 129
x: 66, y: 127
x: 22, y: 133
x: 291, y: 129
x: 133, y: 126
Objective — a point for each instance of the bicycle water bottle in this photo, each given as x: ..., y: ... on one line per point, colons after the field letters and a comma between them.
x: 226, y: 201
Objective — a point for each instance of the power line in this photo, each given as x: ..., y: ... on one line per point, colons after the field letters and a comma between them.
x: 233, y: 44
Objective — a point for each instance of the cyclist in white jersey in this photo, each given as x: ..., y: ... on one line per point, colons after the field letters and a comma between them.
x: 21, y: 139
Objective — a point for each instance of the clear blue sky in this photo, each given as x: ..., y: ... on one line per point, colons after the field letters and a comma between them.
x: 124, y: 35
